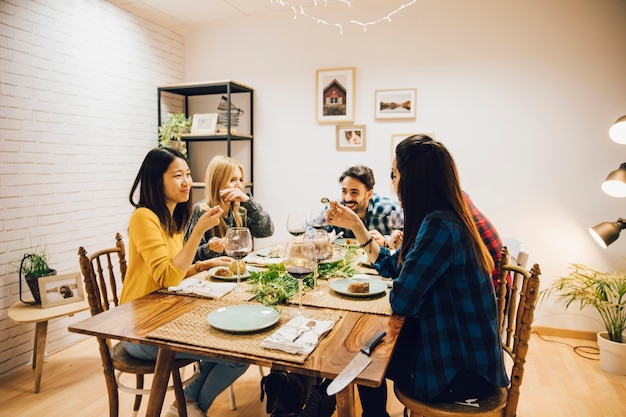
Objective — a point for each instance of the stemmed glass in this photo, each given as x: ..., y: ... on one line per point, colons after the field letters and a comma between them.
x: 296, y: 223
x: 300, y: 262
x: 323, y: 250
x: 317, y: 220
x: 237, y: 244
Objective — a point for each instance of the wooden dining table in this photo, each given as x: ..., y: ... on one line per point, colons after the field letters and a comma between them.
x: 135, y: 320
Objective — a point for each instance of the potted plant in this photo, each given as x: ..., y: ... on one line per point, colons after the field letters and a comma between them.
x: 33, y: 266
x: 172, y: 130
x: 606, y: 292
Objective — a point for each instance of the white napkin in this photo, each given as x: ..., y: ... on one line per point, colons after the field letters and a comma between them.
x: 254, y: 258
x: 197, y: 286
x: 296, y: 337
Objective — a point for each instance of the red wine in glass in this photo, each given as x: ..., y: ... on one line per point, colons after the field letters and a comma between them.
x: 300, y: 272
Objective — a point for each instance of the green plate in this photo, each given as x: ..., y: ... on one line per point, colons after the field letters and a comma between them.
x: 342, y: 242
x: 341, y: 286
x: 243, y: 318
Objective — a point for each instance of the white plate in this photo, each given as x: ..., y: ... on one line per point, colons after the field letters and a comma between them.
x: 245, y: 275
x: 341, y: 286
x: 365, y: 261
x: 342, y: 242
x: 243, y: 318
x: 335, y: 257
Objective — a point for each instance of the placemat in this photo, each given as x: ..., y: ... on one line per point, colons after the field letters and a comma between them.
x: 192, y: 328
x: 331, y: 299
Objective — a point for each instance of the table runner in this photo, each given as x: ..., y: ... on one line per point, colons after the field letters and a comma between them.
x: 331, y: 299
x: 192, y: 328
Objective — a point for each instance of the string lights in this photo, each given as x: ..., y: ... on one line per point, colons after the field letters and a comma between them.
x: 298, y: 10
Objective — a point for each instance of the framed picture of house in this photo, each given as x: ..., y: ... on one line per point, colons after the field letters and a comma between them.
x: 335, y: 95
x: 204, y: 124
x: 351, y: 137
x: 60, y: 289
x: 395, y: 104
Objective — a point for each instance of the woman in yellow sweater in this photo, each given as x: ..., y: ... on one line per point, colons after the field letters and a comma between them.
x: 159, y: 259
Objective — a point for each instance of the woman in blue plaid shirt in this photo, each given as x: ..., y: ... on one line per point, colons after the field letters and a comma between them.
x: 449, y: 348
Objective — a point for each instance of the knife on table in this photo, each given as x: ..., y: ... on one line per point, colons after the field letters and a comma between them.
x: 356, y: 365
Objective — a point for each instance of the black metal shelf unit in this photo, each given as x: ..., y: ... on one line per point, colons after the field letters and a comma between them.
x: 225, y: 88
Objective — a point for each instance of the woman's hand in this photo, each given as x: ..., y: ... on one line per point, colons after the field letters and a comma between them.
x: 395, y: 240
x: 341, y: 216
x: 209, y: 219
x: 213, y: 262
x: 216, y: 244
x: 378, y: 237
x: 234, y: 194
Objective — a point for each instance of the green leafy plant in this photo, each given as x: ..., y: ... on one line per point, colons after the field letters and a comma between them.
x: 172, y: 129
x: 605, y: 291
x: 35, y: 264
x: 275, y: 286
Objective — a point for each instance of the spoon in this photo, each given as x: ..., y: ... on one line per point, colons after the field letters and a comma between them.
x: 324, y: 200
x: 308, y: 326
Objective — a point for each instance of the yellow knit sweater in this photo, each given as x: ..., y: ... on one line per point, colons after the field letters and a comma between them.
x: 151, y: 250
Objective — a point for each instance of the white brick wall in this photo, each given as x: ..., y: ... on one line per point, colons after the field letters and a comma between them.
x: 78, y: 112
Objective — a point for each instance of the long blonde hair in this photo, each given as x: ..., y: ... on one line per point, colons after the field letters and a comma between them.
x: 218, y: 174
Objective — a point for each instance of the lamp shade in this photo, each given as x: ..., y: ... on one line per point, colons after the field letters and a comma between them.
x: 617, y: 132
x: 615, y: 183
x: 606, y: 233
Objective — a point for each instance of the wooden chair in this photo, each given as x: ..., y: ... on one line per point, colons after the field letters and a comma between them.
x: 515, y: 326
x: 101, y: 285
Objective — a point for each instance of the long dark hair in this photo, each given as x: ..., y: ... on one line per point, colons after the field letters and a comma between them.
x: 152, y: 194
x: 429, y: 181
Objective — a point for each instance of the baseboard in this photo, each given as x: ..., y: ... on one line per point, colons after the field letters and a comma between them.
x: 568, y: 333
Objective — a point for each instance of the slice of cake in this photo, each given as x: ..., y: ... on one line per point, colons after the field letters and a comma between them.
x: 359, y: 287
x: 233, y: 267
x: 223, y: 272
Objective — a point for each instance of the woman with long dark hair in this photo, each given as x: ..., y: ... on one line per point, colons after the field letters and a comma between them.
x: 159, y: 259
x: 449, y: 348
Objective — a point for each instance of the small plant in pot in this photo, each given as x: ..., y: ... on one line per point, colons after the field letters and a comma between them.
x: 171, y: 131
x: 33, y: 266
x: 606, y: 292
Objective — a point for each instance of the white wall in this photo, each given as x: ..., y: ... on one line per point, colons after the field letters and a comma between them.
x: 77, y: 115
x: 522, y: 93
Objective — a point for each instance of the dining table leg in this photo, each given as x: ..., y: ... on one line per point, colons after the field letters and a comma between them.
x: 162, y: 371
x: 346, y: 406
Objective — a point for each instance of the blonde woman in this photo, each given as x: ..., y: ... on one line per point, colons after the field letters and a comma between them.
x: 225, y: 188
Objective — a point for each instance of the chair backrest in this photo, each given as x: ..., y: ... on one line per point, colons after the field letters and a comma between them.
x: 99, y: 274
x: 516, y: 314
x: 516, y: 250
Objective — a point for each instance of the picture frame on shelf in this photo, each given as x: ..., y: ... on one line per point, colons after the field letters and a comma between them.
x: 61, y: 289
x: 351, y: 137
x: 204, y: 124
x: 395, y: 104
x: 335, y: 95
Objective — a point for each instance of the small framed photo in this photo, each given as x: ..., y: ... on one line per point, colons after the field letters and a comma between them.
x: 335, y: 95
x: 395, y: 104
x: 204, y: 124
x: 60, y: 289
x: 351, y: 138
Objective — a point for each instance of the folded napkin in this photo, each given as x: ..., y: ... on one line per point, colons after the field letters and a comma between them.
x: 296, y: 336
x: 261, y: 260
x: 201, y: 287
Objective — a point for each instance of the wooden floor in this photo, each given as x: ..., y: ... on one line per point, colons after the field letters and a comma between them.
x: 557, y: 382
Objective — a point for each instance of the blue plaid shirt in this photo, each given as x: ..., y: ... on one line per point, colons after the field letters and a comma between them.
x: 452, y: 318
x: 383, y: 214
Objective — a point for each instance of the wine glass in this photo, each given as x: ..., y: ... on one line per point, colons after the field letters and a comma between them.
x: 317, y: 220
x: 296, y: 223
x: 323, y: 250
x: 300, y: 262
x: 237, y: 244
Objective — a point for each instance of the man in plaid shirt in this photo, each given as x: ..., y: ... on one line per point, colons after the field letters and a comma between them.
x: 380, y: 215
